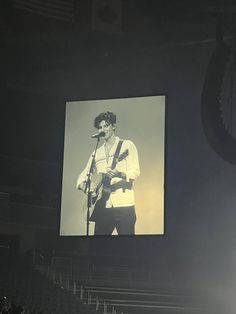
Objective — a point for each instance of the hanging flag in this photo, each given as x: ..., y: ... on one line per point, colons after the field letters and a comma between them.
x: 57, y: 9
x: 107, y: 16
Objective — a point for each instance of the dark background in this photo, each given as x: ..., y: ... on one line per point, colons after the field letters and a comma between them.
x: 160, y: 48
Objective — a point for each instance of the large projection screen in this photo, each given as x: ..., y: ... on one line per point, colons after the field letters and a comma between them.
x: 140, y: 120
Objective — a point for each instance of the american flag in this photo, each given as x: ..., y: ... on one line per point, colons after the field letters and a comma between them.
x: 57, y: 9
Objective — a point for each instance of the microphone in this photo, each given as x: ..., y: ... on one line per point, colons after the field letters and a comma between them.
x: 98, y: 135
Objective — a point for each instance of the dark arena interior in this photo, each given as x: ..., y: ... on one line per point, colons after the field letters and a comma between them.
x: 77, y: 50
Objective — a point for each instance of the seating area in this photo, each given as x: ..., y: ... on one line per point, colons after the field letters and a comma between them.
x: 101, y: 270
x: 65, y: 284
x: 138, y: 301
x: 55, y: 287
x: 113, y: 289
x: 26, y: 287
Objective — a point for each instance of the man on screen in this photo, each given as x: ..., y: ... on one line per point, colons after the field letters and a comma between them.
x: 114, y: 169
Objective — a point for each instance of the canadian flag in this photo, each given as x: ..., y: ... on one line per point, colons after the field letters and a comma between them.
x: 107, y: 16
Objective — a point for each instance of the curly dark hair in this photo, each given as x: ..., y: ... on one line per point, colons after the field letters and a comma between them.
x: 108, y: 116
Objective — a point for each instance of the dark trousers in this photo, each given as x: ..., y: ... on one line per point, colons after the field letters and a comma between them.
x: 121, y: 218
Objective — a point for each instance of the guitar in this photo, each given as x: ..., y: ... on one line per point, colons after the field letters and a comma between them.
x: 101, y: 184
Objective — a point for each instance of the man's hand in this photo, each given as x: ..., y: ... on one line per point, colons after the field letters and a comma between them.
x: 112, y: 173
x: 82, y: 187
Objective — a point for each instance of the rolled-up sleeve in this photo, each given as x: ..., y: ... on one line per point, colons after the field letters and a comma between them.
x: 132, y: 170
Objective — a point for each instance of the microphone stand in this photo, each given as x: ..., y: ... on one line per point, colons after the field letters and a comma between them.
x: 87, y: 189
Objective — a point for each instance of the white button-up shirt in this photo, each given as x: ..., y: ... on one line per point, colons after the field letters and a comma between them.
x: 122, y: 193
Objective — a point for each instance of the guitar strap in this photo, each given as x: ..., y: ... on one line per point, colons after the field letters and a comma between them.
x: 98, y: 207
x: 116, y: 155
